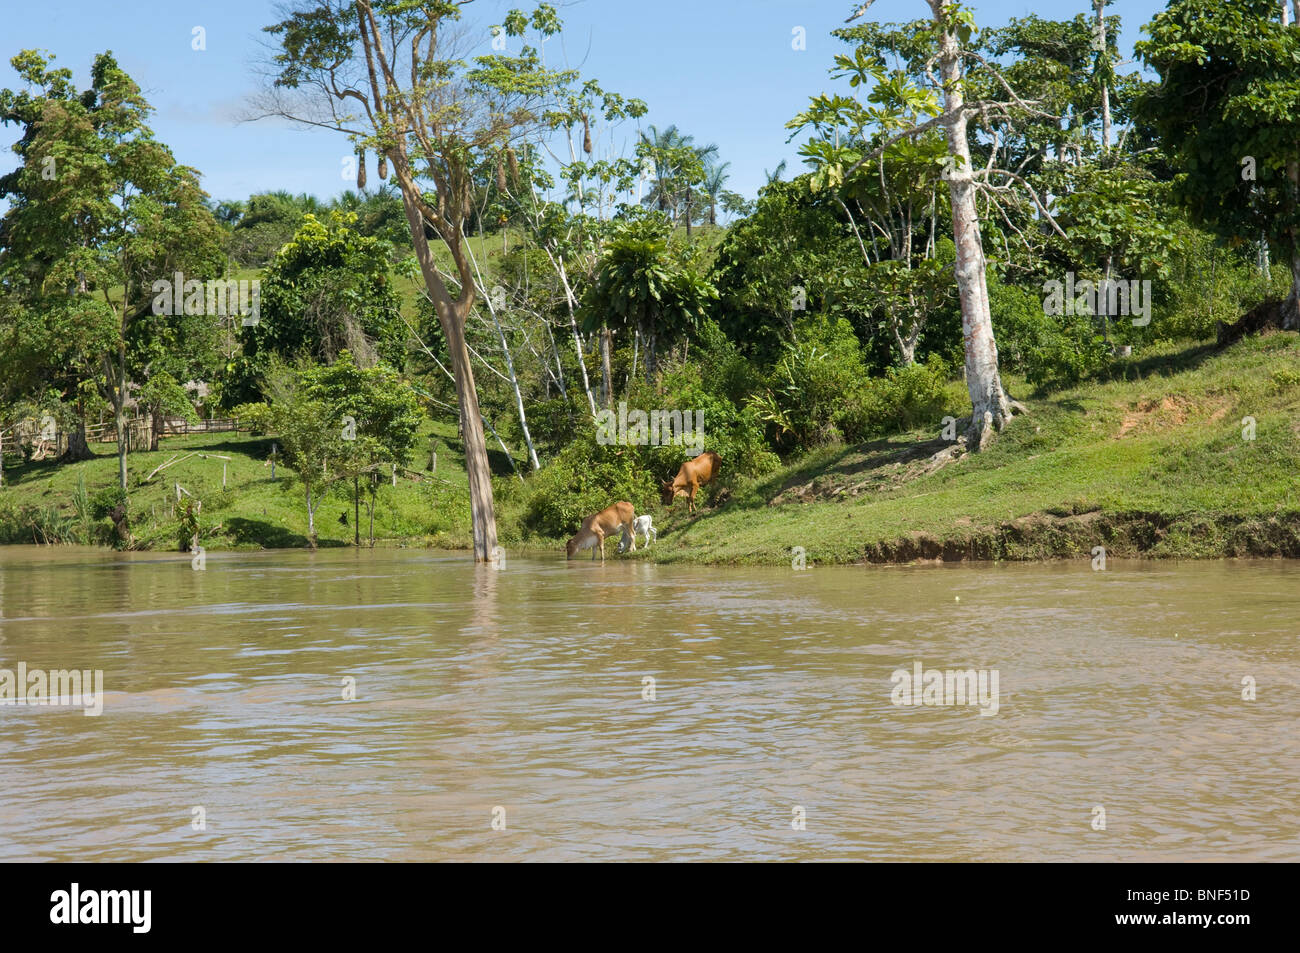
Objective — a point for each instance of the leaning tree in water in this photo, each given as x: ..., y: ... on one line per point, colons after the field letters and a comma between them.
x: 393, y: 77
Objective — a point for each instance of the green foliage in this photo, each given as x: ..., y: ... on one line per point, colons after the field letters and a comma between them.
x: 585, y: 478
x: 903, y: 399
x: 328, y: 290
x: 336, y: 422
x: 187, y: 529
x: 1227, y: 113
x: 644, y: 283
x: 1050, y: 350
x: 810, y: 391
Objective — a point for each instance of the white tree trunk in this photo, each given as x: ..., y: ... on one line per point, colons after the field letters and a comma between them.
x: 1100, y: 6
x: 573, y: 326
x: 514, y: 383
x: 991, y: 408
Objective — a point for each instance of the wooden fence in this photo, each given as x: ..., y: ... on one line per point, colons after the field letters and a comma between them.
x: 138, y: 433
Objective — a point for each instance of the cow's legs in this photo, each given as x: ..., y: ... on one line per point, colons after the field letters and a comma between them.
x: 600, y: 538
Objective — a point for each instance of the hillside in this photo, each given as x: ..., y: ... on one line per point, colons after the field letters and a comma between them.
x: 1155, y: 465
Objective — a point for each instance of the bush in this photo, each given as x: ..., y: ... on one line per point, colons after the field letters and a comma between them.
x: 905, y: 398
x: 584, y: 479
x: 814, y: 382
x: 1050, y: 350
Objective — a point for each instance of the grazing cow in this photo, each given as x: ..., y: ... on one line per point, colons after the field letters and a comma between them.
x: 693, y: 475
x: 642, y: 526
x: 600, y: 525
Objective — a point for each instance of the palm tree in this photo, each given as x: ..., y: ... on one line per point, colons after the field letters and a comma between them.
x: 775, y: 174
x: 679, y: 164
x: 715, y: 177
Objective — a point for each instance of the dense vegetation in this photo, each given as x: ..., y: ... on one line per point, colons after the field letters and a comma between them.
x: 908, y: 318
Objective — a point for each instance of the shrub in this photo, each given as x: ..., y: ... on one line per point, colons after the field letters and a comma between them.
x: 584, y: 479
x: 1050, y: 350
x: 816, y: 380
x: 904, y: 398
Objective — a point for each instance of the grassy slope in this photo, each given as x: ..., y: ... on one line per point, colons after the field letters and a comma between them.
x: 253, y: 510
x: 1156, y: 465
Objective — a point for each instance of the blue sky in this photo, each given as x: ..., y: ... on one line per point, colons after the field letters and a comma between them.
x: 724, y: 72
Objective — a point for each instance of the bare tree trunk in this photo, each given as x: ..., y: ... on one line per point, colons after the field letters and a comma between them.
x: 311, y: 518
x: 1100, y: 7
x: 1291, y: 307
x: 482, y: 511
x: 155, y: 431
x: 78, y: 448
x: 573, y: 325
x: 119, y: 411
x: 514, y: 383
x: 991, y: 408
x: 606, y: 367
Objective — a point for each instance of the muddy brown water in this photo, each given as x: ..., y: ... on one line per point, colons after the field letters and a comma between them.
x: 524, y: 690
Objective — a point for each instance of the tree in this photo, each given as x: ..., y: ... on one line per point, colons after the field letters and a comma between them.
x: 96, y: 210
x: 715, y: 177
x: 679, y: 170
x: 1227, y: 110
x: 642, y: 284
x: 309, y: 428
x: 327, y: 291
x: 387, y: 74
x: 945, y: 41
x: 379, y: 417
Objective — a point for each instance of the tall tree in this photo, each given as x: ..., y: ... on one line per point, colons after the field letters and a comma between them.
x: 389, y: 74
x: 99, y: 211
x: 946, y: 41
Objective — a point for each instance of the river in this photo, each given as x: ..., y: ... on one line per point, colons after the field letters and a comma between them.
x: 509, y: 714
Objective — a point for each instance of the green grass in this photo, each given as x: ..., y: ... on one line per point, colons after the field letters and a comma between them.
x: 252, y: 510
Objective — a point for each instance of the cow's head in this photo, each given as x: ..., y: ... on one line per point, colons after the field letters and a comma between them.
x: 570, y: 548
x: 667, y: 492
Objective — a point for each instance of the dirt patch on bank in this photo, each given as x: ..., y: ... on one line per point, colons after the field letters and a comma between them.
x: 1169, y: 412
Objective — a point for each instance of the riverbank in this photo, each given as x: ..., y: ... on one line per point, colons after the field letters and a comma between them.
x: 1186, y: 453
x: 1194, y: 453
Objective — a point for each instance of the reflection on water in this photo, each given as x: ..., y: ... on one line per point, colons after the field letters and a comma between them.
x: 523, y: 689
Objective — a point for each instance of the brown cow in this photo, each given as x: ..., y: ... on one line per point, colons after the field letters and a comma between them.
x: 599, y: 525
x: 692, y: 475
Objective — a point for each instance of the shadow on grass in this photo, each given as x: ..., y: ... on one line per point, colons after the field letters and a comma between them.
x: 241, y: 530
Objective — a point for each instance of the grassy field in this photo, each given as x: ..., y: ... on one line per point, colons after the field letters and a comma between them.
x: 251, y: 510
x: 1154, y: 462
